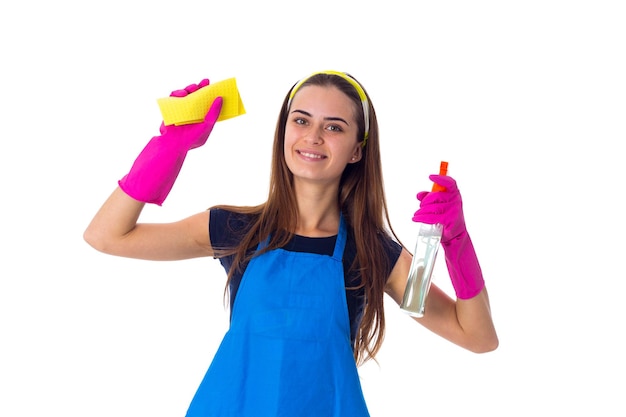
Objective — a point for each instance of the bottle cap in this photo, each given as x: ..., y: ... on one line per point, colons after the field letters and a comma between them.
x: 443, y: 170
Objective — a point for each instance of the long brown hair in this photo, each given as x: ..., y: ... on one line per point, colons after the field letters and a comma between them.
x: 361, y: 199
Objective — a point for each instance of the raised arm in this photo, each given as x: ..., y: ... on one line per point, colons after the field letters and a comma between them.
x: 115, y: 229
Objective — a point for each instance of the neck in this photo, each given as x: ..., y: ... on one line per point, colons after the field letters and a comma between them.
x: 318, y: 210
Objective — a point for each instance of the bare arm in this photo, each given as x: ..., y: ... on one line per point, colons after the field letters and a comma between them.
x: 114, y: 230
x: 467, y: 323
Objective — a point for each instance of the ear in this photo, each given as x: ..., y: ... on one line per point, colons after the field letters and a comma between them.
x: 357, y: 155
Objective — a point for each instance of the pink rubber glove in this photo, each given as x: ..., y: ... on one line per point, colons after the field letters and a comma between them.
x: 446, y: 208
x: 155, y: 170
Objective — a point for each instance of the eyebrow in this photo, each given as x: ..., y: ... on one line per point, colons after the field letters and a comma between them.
x: 334, y: 119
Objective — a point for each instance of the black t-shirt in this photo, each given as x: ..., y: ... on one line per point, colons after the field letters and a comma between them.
x: 227, y: 227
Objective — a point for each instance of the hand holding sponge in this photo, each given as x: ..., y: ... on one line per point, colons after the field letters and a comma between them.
x: 188, y: 119
x: 179, y: 109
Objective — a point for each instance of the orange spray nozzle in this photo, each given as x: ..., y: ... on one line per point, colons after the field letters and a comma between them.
x: 443, y: 170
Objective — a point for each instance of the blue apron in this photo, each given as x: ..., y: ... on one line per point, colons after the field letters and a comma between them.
x: 287, y: 351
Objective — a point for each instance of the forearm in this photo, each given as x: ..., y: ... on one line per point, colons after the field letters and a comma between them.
x: 472, y: 308
x: 476, y: 323
x: 466, y: 323
x: 113, y: 222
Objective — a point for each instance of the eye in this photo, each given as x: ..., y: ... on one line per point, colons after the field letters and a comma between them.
x: 334, y: 128
x: 299, y: 121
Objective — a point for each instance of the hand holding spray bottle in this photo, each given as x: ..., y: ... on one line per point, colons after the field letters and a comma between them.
x: 424, y: 256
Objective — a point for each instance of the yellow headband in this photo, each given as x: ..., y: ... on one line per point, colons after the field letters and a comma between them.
x: 356, y: 86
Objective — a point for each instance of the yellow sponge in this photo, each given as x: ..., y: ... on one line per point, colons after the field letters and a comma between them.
x: 193, y: 107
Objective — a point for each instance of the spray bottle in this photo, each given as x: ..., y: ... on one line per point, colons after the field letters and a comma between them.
x: 420, y: 273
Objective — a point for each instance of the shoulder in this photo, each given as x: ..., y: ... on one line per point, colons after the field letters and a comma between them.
x: 391, y: 249
x: 226, y: 226
x: 230, y: 218
x: 391, y: 245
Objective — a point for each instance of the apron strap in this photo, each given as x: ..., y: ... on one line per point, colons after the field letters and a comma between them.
x: 340, y: 244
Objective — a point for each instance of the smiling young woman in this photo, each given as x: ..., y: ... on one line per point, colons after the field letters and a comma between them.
x: 308, y: 269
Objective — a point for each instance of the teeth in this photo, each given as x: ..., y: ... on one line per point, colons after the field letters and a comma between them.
x: 311, y: 155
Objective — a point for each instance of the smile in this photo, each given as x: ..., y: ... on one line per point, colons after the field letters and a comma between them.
x: 311, y: 155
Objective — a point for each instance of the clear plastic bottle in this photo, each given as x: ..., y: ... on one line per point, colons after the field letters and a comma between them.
x: 420, y: 274
x: 424, y: 257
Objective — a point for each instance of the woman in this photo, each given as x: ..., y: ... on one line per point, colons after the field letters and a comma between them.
x: 308, y: 269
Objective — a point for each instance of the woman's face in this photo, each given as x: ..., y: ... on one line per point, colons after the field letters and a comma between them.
x: 321, y: 134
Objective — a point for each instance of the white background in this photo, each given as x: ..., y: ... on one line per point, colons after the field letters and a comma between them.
x: 526, y: 100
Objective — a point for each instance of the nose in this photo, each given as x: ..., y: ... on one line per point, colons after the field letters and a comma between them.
x: 315, y: 135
